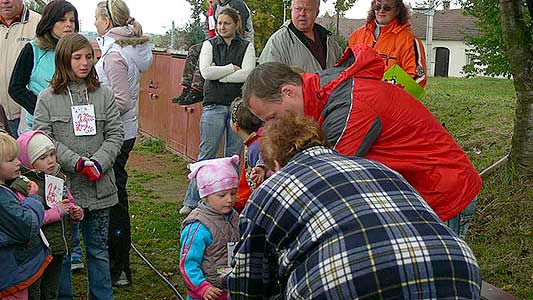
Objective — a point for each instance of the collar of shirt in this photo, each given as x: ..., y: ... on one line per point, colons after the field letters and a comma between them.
x: 17, y: 18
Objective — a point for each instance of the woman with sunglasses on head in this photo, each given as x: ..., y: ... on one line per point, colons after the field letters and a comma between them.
x: 35, y: 65
x: 388, y: 31
x: 126, y: 53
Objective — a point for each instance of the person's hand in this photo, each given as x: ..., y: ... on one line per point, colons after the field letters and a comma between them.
x: 258, y: 175
x: 33, y: 188
x: 236, y: 68
x: 65, y: 205
x: 212, y: 293
x: 90, y: 168
x: 76, y: 213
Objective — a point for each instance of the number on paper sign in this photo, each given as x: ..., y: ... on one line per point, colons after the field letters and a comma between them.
x: 84, y: 120
x: 53, y: 190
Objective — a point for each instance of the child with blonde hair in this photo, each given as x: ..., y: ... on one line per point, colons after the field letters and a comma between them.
x: 211, y: 230
x: 37, y: 153
x: 23, y: 253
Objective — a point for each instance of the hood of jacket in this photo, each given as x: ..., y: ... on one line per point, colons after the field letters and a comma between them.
x: 137, y: 48
x: 23, y: 141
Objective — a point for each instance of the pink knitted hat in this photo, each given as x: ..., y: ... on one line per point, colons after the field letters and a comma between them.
x: 33, y: 144
x: 215, y: 175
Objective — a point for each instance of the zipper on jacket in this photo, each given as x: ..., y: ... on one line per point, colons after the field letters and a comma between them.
x: 63, y: 235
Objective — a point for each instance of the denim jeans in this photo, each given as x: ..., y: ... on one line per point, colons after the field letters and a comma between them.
x: 94, y: 228
x: 214, y: 121
x: 14, y: 127
x: 461, y: 223
x: 76, y: 248
x: 65, y: 284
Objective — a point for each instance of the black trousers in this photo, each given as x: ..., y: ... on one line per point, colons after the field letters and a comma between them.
x: 119, y: 218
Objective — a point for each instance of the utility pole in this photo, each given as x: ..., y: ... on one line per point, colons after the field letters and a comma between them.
x: 172, y: 36
x: 429, y: 10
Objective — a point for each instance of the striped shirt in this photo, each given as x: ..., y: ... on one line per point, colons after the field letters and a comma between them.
x: 333, y: 227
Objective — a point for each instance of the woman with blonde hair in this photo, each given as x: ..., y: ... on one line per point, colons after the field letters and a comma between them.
x: 225, y: 62
x: 126, y: 53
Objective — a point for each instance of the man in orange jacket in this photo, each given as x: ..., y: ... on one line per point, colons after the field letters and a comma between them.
x: 365, y: 116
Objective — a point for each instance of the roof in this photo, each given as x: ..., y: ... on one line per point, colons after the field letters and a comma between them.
x: 448, y: 25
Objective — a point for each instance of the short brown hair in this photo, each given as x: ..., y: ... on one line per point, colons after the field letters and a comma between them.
x: 8, y: 147
x: 266, y: 80
x: 403, y: 12
x: 64, y: 74
x: 285, y: 137
x: 243, y: 116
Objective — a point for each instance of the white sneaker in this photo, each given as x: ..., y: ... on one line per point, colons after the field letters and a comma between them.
x: 185, y: 210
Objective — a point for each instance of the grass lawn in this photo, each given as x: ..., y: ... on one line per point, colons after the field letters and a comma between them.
x: 478, y: 112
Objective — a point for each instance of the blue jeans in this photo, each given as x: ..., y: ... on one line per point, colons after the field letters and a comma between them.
x: 65, y: 284
x: 461, y: 223
x: 14, y: 127
x: 215, y: 120
x: 94, y: 227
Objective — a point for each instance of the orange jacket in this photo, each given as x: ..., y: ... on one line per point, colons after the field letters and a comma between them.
x: 397, y: 45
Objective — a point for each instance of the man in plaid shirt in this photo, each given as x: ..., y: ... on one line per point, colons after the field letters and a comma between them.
x: 326, y: 226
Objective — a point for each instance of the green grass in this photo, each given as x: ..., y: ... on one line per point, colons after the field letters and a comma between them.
x: 478, y: 112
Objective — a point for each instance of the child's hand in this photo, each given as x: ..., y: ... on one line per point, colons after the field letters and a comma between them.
x: 65, y: 205
x: 76, y: 213
x: 258, y: 175
x: 212, y: 293
x: 33, y: 188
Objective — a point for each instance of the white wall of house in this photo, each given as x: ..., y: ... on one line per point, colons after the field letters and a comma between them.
x: 457, y: 59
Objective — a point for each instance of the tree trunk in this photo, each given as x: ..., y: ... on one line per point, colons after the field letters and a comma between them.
x: 519, y: 52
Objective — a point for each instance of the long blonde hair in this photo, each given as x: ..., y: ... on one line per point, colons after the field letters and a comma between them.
x: 118, y: 13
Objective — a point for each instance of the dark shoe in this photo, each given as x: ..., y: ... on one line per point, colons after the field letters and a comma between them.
x: 180, y: 99
x: 191, y: 98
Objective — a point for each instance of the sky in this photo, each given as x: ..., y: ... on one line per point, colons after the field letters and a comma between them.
x: 156, y: 15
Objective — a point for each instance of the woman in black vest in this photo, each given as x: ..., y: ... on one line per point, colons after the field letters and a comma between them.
x: 225, y: 62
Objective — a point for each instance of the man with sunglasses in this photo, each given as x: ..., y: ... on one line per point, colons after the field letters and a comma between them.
x: 388, y: 31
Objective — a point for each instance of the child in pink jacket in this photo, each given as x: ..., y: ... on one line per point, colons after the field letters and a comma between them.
x: 38, y: 155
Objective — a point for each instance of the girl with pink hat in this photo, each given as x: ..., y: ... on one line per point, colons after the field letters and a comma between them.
x: 210, y: 231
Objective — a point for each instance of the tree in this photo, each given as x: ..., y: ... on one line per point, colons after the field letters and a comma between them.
x: 36, y: 5
x: 341, y: 6
x: 517, y: 37
x: 267, y: 17
x: 194, y: 31
x: 487, y: 55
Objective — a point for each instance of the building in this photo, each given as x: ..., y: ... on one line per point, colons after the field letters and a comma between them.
x: 449, y: 49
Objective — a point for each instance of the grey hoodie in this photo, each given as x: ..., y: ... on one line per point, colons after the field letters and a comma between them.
x: 124, y: 58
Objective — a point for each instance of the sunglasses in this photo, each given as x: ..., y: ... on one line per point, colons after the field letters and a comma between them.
x: 387, y: 8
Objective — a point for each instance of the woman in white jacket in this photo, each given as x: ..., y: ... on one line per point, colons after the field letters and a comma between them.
x: 225, y: 62
x: 126, y: 53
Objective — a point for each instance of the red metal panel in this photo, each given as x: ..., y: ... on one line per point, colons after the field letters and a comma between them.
x: 193, y: 130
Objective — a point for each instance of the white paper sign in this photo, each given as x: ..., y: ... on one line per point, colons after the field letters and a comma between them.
x: 53, y: 190
x: 84, y: 120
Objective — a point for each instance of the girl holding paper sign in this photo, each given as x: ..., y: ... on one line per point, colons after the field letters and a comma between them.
x: 38, y: 154
x: 83, y: 119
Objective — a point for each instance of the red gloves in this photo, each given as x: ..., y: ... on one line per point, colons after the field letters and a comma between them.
x: 90, y: 168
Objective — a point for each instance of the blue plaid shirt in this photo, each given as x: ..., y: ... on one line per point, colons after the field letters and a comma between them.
x: 333, y: 227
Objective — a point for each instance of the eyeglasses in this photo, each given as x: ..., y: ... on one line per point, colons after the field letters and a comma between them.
x: 387, y: 8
